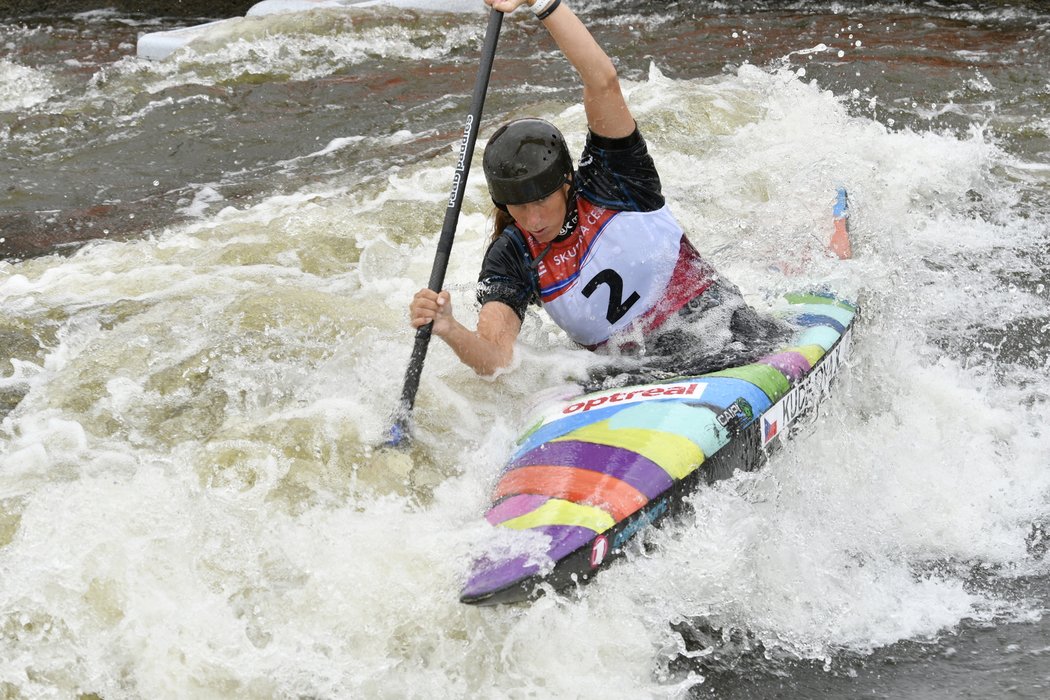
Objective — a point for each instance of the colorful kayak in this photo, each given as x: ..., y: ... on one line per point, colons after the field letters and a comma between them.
x: 595, y: 470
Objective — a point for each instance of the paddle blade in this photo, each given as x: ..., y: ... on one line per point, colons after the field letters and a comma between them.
x: 840, y: 242
x: 399, y: 437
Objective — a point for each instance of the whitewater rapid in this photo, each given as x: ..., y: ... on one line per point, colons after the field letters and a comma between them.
x: 191, y: 504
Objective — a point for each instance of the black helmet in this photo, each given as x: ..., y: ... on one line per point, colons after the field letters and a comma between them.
x: 526, y: 160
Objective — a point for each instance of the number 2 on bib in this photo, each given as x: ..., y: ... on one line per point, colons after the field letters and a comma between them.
x: 617, y: 307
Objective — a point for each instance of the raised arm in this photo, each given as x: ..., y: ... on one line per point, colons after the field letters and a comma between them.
x: 607, y: 112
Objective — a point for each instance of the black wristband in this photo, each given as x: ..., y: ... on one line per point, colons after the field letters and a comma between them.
x: 547, y: 12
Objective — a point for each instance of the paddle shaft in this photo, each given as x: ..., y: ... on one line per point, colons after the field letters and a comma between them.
x: 399, y: 431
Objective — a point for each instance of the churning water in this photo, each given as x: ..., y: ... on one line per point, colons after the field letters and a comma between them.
x: 203, y: 332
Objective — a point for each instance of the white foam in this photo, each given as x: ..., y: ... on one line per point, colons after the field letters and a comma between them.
x: 22, y: 87
x: 203, y: 198
x: 159, y: 45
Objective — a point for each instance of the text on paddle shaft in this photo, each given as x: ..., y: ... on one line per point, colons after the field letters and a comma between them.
x: 460, y: 175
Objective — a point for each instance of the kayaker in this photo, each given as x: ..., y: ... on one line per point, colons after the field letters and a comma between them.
x: 596, y: 246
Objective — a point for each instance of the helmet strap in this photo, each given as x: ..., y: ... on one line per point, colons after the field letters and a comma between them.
x: 572, y: 212
x: 572, y: 217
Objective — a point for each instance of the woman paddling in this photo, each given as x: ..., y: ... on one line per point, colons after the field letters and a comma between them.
x: 596, y: 246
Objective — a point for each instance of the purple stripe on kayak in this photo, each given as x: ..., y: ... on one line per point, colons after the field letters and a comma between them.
x: 790, y: 364
x: 565, y: 539
x: 514, y: 506
x: 629, y: 467
x: 489, y: 576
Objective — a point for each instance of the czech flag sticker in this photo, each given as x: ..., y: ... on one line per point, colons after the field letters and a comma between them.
x: 769, y: 429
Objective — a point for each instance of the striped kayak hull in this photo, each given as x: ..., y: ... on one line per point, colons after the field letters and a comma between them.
x: 596, y: 470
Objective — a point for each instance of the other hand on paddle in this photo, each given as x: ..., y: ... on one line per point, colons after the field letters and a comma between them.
x: 488, y: 349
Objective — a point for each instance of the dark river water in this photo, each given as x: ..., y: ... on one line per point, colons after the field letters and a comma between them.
x: 205, y: 263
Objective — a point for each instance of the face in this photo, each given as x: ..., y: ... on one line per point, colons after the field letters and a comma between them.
x: 544, y: 217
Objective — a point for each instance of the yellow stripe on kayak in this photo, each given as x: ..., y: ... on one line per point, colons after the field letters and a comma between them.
x: 676, y: 455
x: 559, y: 512
x: 812, y: 353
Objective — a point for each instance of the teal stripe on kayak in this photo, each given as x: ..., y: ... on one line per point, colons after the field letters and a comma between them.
x: 823, y: 336
x: 721, y: 392
x: 718, y: 391
x: 697, y: 424
x: 769, y: 379
x: 820, y: 299
x: 564, y: 426
x: 841, y: 315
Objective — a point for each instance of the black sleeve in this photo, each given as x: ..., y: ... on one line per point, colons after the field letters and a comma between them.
x: 619, y: 174
x: 506, y: 274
